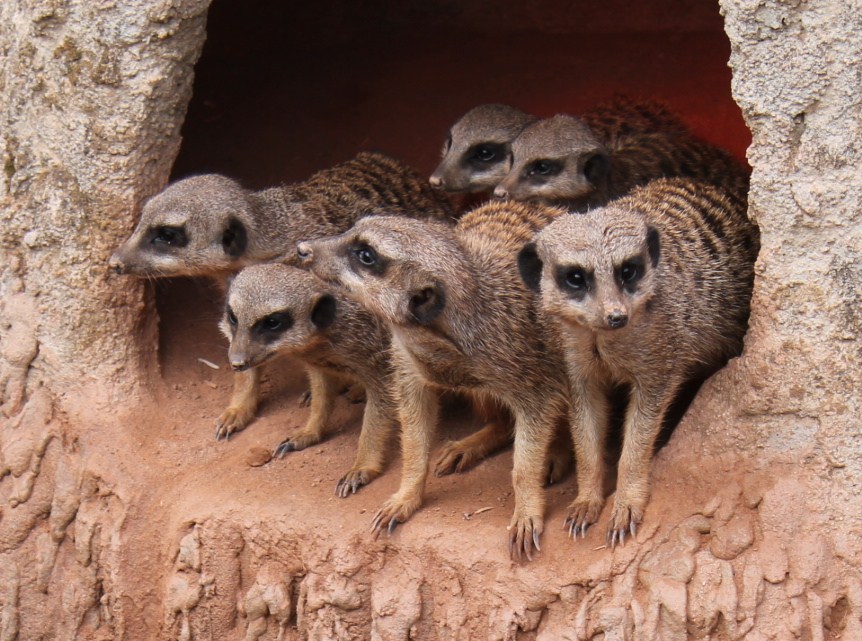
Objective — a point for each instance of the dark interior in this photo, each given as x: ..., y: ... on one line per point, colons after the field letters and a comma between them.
x: 285, y: 89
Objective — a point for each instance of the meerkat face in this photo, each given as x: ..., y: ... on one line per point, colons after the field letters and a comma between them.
x: 389, y: 264
x: 594, y: 270
x: 555, y: 159
x: 272, y: 310
x: 195, y: 226
x: 477, y: 153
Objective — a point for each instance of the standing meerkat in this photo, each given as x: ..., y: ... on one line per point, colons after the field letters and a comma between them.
x: 476, y: 152
x: 274, y: 310
x: 561, y: 161
x: 211, y: 226
x: 652, y: 290
x: 461, y: 320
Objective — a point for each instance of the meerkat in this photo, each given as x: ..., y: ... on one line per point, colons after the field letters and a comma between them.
x: 211, y: 226
x: 651, y: 290
x: 461, y: 320
x: 476, y: 152
x: 277, y: 310
x: 562, y: 161
x: 621, y: 116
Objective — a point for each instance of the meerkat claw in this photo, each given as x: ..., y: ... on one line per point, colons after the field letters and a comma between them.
x: 284, y: 447
x: 393, y: 523
x: 305, y: 399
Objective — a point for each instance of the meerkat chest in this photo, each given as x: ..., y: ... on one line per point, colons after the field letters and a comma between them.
x: 438, y: 361
x: 593, y: 355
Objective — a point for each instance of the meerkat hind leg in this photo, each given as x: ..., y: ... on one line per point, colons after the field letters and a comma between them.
x: 243, y: 404
x: 496, y: 433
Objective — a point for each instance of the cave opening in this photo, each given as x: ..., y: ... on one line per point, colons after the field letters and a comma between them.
x: 283, y: 90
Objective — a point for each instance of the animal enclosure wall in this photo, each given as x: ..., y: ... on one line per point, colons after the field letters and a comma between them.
x: 122, y: 518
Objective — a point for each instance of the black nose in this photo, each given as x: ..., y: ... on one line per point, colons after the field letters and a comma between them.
x: 501, y: 192
x: 304, y: 251
x: 239, y: 366
x: 617, y: 320
x: 115, y: 264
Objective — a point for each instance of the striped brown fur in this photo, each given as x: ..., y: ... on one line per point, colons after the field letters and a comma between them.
x: 650, y: 291
x: 462, y: 320
x: 561, y: 161
x: 266, y: 225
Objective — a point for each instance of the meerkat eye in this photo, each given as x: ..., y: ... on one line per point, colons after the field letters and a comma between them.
x: 169, y: 236
x: 486, y: 153
x: 576, y: 279
x: 544, y: 168
x: 231, y: 317
x: 366, y: 255
x: 269, y: 327
x: 630, y: 272
x: 271, y: 323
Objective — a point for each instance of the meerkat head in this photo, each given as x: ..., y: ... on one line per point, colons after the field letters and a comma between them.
x: 275, y: 309
x: 393, y: 266
x: 595, y: 270
x: 555, y: 159
x: 476, y: 153
x: 198, y: 225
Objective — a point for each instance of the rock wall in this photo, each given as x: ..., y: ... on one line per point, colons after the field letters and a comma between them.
x: 115, y: 523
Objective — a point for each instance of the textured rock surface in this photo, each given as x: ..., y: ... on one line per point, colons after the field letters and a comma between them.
x: 121, y: 518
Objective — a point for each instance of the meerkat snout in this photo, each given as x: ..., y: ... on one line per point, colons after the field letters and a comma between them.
x: 116, y: 264
x: 304, y: 252
x: 239, y: 364
x: 617, y: 319
x: 500, y: 192
x: 436, y: 181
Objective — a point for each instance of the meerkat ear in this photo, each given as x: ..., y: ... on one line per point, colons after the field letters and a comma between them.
x: 530, y: 266
x: 426, y: 304
x: 596, y: 169
x: 653, y: 245
x: 234, y: 239
x: 323, y: 312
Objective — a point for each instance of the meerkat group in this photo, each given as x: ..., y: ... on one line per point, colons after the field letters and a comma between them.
x: 614, y: 248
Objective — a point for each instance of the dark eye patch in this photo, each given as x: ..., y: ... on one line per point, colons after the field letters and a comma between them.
x: 272, y: 326
x: 365, y: 257
x: 486, y: 153
x: 543, y: 168
x: 574, y: 280
x: 168, y: 236
x: 630, y: 272
x: 231, y: 318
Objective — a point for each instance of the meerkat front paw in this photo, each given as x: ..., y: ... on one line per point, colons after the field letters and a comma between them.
x: 298, y: 441
x: 457, y: 456
x: 395, y: 511
x: 233, y: 419
x: 524, y: 533
x: 353, y: 480
x: 583, y: 512
x: 625, y: 517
